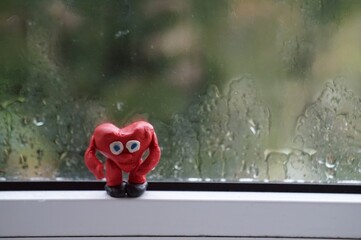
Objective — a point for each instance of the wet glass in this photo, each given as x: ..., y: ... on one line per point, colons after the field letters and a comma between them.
x: 236, y: 90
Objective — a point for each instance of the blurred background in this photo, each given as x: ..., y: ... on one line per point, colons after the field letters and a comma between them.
x: 238, y: 90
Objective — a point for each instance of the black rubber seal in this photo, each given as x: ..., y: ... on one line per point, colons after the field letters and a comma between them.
x: 184, y: 186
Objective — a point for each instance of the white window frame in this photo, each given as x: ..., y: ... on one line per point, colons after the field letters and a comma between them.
x: 179, y: 213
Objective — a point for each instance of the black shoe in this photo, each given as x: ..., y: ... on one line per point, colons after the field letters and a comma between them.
x: 136, y: 190
x: 116, y: 191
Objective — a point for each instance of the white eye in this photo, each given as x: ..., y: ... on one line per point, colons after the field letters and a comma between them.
x: 116, y: 147
x: 133, y: 146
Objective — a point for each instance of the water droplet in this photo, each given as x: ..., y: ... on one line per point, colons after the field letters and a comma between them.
x: 330, y: 173
x: 297, y: 160
x: 39, y: 121
x: 23, y: 139
x: 57, y: 141
x: 254, y: 127
x: 177, y: 167
x: 23, y: 161
x: 40, y: 154
x: 6, y: 152
x: 24, y: 121
x: 121, y: 33
x: 229, y: 135
x: 330, y: 161
x: 276, y: 164
x: 253, y: 170
x: 298, y: 141
x: 68, y: 162
x: 119, y: 105
x: 320, y: 160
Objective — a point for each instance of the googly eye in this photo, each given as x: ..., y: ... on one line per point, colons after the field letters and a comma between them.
x: 116, y: 147
x: 133, y: 146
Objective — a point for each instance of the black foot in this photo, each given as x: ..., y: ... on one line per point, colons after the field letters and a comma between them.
x: 136, y: 190
x: 116, y: 191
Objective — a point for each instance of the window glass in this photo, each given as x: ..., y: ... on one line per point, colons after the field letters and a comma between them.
x: 237, y: 90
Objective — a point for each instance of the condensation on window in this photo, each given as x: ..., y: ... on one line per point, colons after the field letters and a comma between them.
x: 236, y: 90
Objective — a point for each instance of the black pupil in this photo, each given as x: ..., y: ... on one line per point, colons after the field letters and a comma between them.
x: 116, y: 148
x: 134, y: 145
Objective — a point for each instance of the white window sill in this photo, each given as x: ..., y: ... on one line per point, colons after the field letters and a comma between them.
x: 170, y: 213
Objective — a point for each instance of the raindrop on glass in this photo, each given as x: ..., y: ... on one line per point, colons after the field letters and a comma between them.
x: 39, y: 121
x: 121, y: 33
x: 330, y: 173
x: 330, y: 161
x: 119, y: 105
x: 254, y: 127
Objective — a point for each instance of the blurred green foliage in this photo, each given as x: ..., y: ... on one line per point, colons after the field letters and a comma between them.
x: 67, y: 65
